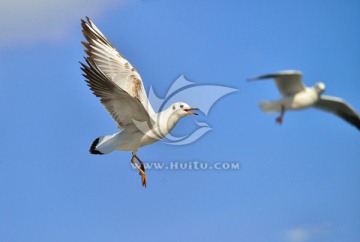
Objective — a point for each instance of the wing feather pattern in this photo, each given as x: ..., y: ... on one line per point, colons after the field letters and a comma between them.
x: 113, y: 65
x: 340, y: 108
x: 287, y: 82
x: 123, y: 108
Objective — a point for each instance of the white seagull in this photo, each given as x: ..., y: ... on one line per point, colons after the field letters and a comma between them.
x: 295, y: 95
x: 120, y: 89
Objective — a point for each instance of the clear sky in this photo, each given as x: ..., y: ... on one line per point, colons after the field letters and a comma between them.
x: 299, y: 182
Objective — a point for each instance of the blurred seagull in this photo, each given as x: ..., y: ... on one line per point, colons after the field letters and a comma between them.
x: 295, y: 95
x: 120, y: 89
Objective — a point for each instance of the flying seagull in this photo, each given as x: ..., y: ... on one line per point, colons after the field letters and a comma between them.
x: 295, y: 95
x: 120, y: 89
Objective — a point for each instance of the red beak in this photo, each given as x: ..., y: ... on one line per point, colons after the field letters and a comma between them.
x: 189, y: 109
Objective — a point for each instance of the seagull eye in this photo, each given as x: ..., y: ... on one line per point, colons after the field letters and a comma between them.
x: 181, y: 106
x: 174, y: 107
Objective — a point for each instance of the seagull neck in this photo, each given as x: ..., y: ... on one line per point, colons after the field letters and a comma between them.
x: 167, y: 121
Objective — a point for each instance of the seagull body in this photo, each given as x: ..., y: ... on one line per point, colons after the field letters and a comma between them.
x: 301, y: 100
x: 132, y: 138
x: 120, y: 89
x: 295, y: 96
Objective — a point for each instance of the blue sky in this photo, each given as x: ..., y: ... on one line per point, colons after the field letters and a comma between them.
x: 297, y: 182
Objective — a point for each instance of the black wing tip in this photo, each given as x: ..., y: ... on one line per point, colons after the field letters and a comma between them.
x: 262, y: 77
x: 93, y: 149
x: 356, y: 123
x: 266, y: 76
x: 352, y: 119
x: 275, y: 74
x: 88, y: 20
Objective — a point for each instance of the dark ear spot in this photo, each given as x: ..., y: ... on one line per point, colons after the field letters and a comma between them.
x: 181, y: 106
x: 173, y: 107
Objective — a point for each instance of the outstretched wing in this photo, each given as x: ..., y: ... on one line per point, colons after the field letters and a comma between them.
x: 287, y: 82
x: 340, y: 108
x: 123, y: 108
x: 113, y: 65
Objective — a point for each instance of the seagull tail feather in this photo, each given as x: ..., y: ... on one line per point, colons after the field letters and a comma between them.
x: 93, y: 149
x: 270, y: 107
x: 104, y: 145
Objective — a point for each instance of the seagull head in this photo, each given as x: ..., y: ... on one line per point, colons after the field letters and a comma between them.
x: 319, y: 87
x: 182, y: 109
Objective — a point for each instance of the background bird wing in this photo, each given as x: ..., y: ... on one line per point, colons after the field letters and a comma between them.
x: 340, y: 108
x: 113, y: 65
x: 287, y: 82
x: 120, y: 104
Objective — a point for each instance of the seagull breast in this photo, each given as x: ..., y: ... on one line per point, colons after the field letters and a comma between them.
x: 301, y: 100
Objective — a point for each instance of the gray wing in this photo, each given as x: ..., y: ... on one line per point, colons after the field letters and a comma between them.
x: 124, y: 108
x: 287, y: 82
x: 114, y: 66
x: 340, y: 108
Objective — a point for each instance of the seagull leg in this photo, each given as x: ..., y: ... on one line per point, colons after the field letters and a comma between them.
x: 141, y: 169
x: 279, y: 119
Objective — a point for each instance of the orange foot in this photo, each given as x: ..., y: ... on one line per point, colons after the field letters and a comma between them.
x: 140, y: 168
